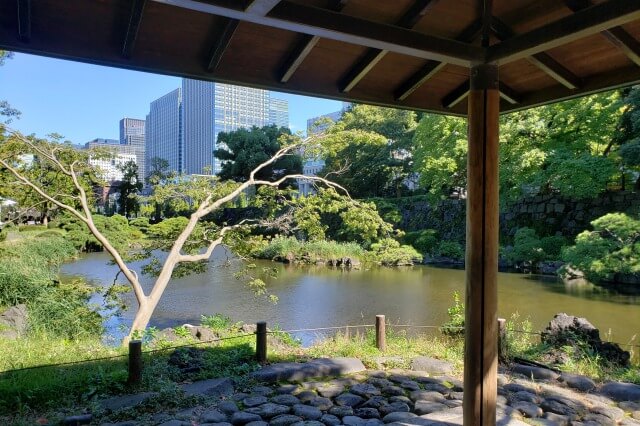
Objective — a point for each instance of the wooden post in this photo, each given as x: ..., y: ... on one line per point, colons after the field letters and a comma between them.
x: 261, y: 342
x: 135, y: 362
x: 502, y: 338
x: 381, y: 337
x: 481, y: 322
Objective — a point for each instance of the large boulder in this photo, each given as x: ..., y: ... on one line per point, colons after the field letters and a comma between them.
x: 14, y: 322
x: 568, y: 330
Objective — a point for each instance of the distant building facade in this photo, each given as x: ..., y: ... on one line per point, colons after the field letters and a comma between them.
x: 132, y: 141
x: 321, y: 123
x: 183, y: 126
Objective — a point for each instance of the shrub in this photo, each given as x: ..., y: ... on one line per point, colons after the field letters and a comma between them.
x: 450, y: 249
x: 527, y: 247
x: 608, y: 252
x: 3, y: 235
x: 27, y: 228
x: 455, y: 325
x: 425, y: 241
x: 141, y: 223
x: 389, y: 252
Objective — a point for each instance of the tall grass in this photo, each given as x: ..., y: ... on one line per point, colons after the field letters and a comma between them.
x: 283, y: 247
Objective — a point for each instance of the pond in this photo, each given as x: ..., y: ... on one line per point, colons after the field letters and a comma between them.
x: 311, y: 297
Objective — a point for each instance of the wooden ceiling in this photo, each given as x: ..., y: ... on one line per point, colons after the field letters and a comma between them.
x: 404, y: 53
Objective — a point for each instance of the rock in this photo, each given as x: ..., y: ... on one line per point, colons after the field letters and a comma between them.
x: 126, y: 401
x: 211, y: 388
x: 375, y: 402
x: 322, y: 367
x: 228, y: 407
x: 81, y: 419
x: 410, y: 385
x: 353, y: 421
x: 254, y: 401
x: 614, y: 413
x: 427, y: 407
x: 175, y: 422
x: 330, y: 420
x: 392, y: 390
x: 286, y: 389
x: 398, y: 416
x: 621, y: 391
x: 380, y: 382
x: 202, y: 333
x: 213, y: 416
x: 330, y: 389
x: 528, y: 409
x: 556, y: 419
x: 258, y: 423
x: 365, y: 390
x: 349, y: 399
x: 394, y: 407
x: 321, y: 403
x: 15, y: 320
x: 524, y: 396
x: 517, y: 387
x: 262, y: 390
x: 598, y: 419
x: 426, y: 396
x: 629, y: 406
x: 341, y: 411
x: 366, y: 413
x: 285, y: 420
x: 285, y: 399
x: 536, y: 373
x: 550, y: 405
x: 576, y: 381
x: 242, y: 418
x: 269, y: 410
x: 431, y: 365
x: 308, y: 423
x: 307, y: 412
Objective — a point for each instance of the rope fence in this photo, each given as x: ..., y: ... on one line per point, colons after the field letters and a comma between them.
x: 135, y: 352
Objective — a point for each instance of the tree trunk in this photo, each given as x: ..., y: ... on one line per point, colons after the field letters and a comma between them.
x: 140, y: 321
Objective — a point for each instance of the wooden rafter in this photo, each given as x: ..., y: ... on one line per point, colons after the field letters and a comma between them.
x: 431, y: 68
x: 135, y: 19
x: 24, y: 20
x: 617, y: 35
x: 221, y: 45
x: 373, y: 56
x: 542, y: 60
x: 303, y: 48
x: 311, y: 20
x: 261, y: 7
x: 584, y: 23
x: 458, y: 94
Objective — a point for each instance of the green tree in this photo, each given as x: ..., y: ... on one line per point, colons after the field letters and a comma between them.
x: 244, y: 149
x: 369, y: 151
x: 159, y: 173
x: 128, y: 190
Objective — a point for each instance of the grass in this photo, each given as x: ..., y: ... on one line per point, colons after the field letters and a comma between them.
x: 309, y: 251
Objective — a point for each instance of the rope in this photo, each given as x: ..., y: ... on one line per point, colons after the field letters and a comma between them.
x: 106, y: 358
x: 321, y: 328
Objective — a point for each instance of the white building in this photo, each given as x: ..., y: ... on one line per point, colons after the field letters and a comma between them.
x: 109, y: 169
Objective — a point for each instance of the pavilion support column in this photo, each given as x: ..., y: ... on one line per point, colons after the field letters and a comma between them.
x: 481, y: 333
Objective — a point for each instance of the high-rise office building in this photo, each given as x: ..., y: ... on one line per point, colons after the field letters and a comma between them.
x: 132, y: 137
x: 201, y: 110
x: 163, y: 131
x: 279, y: 112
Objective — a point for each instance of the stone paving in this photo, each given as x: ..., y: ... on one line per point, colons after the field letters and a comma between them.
x: 334, y: 392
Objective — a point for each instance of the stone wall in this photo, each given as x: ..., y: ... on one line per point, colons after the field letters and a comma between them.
x: 555, y: 215
x: 547, y: 214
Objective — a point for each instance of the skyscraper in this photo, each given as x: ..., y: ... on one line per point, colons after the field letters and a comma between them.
x: 163, y: 131
x: 202, y: 110
x: 133, y: 141
x: 278, y: 112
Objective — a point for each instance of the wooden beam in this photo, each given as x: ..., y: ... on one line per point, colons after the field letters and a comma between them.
x: 221, y: 45
x: 261, y: 7
x: 431, y: 68
x: 24, y: 20
x: 458, y: 94
x: 304, y: 47
x: 373, y: 56
x: 301, y: 18
x: 617, y: 35
x: 481, y: 258
x: 543, y: 61
x: 137, y: 8
x: 586, y: 22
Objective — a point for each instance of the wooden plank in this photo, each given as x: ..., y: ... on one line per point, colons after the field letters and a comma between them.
x: 458, y: 94
x: 481, y: 264
x: 221, y: 45
x: 137, y: 9
x: 304, y: 47
x: 543, y: 61
x: 261, y: 7
x: 373, y: 56
x: 24, y: 20
x: 589, y: 21
x: 311, y: 20
x: 431, y: 68
x: 508, y: 94
x: 617, y: 35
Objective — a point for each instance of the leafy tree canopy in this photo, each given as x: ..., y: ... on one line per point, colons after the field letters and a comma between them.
x: 244, y: 149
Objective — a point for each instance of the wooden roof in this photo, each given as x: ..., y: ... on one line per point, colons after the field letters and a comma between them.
x: 403, y: 53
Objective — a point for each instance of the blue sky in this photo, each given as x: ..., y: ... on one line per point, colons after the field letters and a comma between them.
x: 83, y: 102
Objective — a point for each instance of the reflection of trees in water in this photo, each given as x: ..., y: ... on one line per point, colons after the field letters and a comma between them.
x: 619, y: 293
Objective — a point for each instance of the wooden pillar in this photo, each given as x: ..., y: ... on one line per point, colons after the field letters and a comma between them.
x: 481, y: 334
